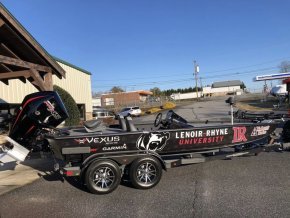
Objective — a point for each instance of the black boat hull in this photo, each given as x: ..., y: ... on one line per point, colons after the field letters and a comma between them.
x: 162, y: 141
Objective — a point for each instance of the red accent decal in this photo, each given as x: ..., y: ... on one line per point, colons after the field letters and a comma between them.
x: 31, y: 128
x: 93, y: 149
x: 29, y: 100
x: 239, y: 134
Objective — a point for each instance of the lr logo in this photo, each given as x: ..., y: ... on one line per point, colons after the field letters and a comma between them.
x: 239, y: 134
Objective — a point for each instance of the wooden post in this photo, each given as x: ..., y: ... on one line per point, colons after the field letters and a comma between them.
x: 48, y: 81
x: 38, y: 81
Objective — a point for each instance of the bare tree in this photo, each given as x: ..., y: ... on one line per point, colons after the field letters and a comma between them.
x: 96, y: 94
x: 284, y: 67
x: 117, y: 89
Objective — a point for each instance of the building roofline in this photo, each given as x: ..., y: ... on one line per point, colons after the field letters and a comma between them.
x: 71, y: 65
x: 35, y: 43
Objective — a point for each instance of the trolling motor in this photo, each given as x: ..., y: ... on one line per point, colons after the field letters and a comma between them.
x: 231, y: 102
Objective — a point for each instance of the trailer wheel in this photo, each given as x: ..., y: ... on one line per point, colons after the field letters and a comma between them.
x: 102, y: 177
x: 145, y: 172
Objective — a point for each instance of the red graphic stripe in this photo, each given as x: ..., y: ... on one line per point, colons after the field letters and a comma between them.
x: 31, y: 128
x: 93, y: 150
x: 28, y: 101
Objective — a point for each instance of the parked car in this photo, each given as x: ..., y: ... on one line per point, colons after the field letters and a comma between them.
x: 130, y: 111
x: 102, y: 113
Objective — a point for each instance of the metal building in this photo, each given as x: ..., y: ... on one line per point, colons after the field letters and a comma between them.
x: 26, y: 67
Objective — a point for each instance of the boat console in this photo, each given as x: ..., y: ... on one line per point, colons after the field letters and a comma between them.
x: 171, y: 121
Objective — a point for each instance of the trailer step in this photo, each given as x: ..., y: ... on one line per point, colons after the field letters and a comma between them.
x: 15, y: 152
x: 184, y: 161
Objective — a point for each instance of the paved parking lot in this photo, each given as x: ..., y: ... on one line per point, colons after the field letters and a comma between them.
x: 254, y: 186
x: 213, y: 109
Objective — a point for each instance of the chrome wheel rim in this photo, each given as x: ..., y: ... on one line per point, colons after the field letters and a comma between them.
x: 146, y: 173
x: 104, y: 177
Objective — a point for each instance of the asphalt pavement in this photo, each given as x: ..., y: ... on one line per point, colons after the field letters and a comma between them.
x: 211, y: 109
x: 254, y: 186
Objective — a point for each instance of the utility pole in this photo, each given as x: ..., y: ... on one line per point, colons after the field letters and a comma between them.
x: 201, y: 91
x: 196, y: 71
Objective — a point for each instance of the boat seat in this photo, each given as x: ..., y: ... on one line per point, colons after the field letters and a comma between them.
x: 122, y: 123
x: 94, y: 125
x: 130, y: 126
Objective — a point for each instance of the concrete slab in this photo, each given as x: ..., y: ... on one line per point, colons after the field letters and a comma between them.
x: 14, y: 175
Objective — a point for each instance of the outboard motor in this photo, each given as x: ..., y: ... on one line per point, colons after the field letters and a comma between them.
x: 38, y: 110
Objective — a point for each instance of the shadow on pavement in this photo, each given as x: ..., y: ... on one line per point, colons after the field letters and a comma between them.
x: 8, y: 166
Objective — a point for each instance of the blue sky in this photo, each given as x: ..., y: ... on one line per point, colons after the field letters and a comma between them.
x: 141, y: 44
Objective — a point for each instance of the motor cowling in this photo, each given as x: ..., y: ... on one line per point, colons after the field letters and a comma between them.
x: 38, y: 110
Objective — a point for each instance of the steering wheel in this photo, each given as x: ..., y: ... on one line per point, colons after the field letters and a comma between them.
x: 158, y: 119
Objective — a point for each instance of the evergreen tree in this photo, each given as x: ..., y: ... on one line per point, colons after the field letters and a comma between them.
x: 71, y: 106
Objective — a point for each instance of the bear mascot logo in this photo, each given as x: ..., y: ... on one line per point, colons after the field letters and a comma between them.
x: 153, y: 141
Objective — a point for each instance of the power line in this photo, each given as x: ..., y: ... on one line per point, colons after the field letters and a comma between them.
x: 209, y: 72
x: 147, y: 83
x: 245, y: 72
x: 254, y: 65
x: 205, y: 77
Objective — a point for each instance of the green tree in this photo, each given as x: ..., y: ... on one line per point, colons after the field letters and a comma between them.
x: 243, y: 86
x: 71, y: 106
x: 156, y: 91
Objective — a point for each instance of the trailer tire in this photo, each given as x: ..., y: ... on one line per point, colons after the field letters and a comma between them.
x: 102, y: 177
x: 145, y: 172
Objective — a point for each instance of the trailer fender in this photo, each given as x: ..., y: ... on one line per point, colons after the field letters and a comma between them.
x: 159, y: 158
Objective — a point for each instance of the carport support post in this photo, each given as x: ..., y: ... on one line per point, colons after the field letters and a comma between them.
x: 48, y: 81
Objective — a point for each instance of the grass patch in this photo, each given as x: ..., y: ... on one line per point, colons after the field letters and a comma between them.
x: 168, y: 105
x: 153, y: 110
x: 165, y: 106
